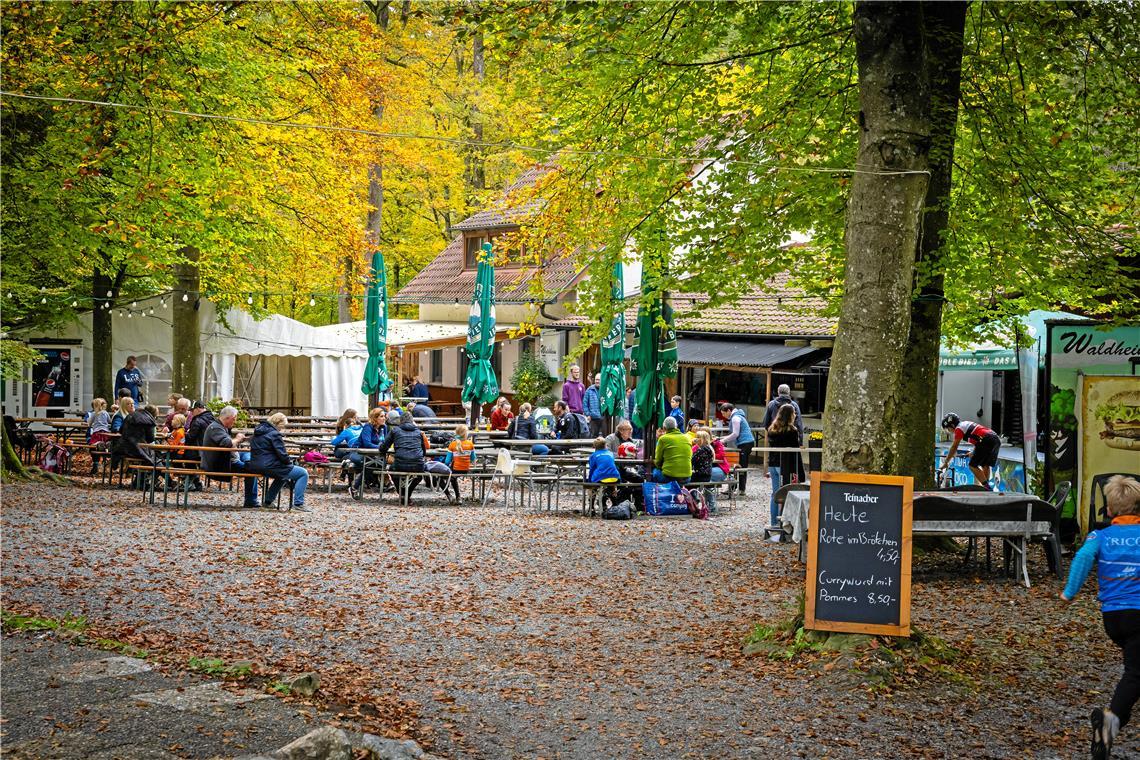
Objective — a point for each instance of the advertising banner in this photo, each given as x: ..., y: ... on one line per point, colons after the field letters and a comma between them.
x: 1110, y: 440
x: 51, y: 378
x: 1074, y: 349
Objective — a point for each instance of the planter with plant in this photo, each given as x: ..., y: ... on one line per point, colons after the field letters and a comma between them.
x: 531, y: 380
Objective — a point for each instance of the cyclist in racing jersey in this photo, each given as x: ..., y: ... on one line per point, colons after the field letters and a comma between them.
x: 986, y: 446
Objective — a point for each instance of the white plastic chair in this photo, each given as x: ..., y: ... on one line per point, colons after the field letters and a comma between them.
x: 507, y: 467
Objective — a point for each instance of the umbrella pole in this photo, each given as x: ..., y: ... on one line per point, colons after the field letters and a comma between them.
x: 476, y: 407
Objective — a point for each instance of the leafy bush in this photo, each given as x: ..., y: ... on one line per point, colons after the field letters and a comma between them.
x: 243, y: 419
x: 531, y: 379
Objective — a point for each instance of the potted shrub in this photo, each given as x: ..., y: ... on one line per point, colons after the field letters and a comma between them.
x: 815, y: 458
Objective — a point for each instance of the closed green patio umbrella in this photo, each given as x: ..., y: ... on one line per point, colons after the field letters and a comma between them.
x: 653, y: 358
x: 480, y: 385
x: 613, y: 352
x: 376, y: 380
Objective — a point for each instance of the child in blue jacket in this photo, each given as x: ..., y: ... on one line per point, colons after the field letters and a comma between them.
x: 1116, y: 552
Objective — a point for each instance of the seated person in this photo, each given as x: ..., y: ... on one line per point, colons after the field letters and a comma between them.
x: 601, y: 468
x: 347, y: 436
x: 462, y: 450
x: 501, y: 415
x: 217, y: 435
x: 371, y: 436
x: 721, y: 467
x: 267, y: 455
x: 703, y: 466
x: 420, y: 411
x: 177, y: 433
x: 409, y: 448
x: 566, y: 427
x: 673, y: 456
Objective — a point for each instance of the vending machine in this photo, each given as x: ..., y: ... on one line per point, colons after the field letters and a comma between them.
x: 55, y: 385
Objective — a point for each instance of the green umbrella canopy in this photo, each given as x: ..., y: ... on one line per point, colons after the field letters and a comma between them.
x: 376, y: 378
x: 480, y: 384
x: 613, y: 352
x: 653, y: 357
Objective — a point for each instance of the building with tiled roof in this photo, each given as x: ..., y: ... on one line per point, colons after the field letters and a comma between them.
x: 738, y: 352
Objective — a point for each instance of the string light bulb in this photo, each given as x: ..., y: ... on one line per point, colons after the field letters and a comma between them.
x: 43, y: 300
x: 130, y: 314
x: 312, y: 301
x: 74, y: 304
x: 249, y: 300
x: 151, y: 312
x: 163, y: 300
x: 108, y: 294
x: 185, y: 297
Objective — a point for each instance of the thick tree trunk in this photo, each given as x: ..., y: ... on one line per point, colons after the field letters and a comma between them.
x: 13, y: 468
x: 945, y: 28
x: 102, y: 370
x: 476, y: 172
x: 863, y: 420
x: 187, y: 339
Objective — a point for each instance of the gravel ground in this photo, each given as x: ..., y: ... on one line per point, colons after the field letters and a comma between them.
x: 512, y: 634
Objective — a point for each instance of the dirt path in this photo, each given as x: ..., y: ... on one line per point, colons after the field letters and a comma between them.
x: 518, y: 635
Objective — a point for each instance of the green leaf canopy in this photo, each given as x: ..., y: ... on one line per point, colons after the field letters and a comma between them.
x: 376, y: 379
x: 613, y: 352
x: 480, y: 384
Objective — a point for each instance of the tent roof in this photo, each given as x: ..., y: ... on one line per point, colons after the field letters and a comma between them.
x: 414, y: 334
x: 988, y: 355
x: 736, y: 353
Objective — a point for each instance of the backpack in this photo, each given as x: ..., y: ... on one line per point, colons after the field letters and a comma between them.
x: 314, y: 457
x: 582, y: 424
x: 439, y: 440
x: 695, y: 500
x: 54, y: 459
x: 620, y: 511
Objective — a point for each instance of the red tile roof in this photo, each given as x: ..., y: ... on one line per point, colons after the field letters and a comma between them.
x: 770, y: 309
x: 511, y: 209
x: 445, y: 280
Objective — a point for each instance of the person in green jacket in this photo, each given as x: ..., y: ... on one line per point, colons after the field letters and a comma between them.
x: 673, y: 456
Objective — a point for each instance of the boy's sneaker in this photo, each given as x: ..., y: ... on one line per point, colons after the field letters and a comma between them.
x: 1105, y: 726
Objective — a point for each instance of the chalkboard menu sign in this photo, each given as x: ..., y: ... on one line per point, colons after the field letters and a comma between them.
x: 858, y: 577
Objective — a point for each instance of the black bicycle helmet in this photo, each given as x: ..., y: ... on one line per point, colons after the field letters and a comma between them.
x: 950, y: 421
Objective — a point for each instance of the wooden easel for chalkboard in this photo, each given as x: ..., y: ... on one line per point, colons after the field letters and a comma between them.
x: 858, y: 571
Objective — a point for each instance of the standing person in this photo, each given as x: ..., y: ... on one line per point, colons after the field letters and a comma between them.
x: 740, y: 436
x: 592, y: 406
x: 782, y: 433
x: 217, y: 436
x: 573, y: 390
x: 501, y: 415
x: 986, y: 446
x: 1116, y: 552
x: 419, y: 390
x: 673, y: 457
x: 676, y: 412
x: 783, y: 396
x: 268, y: 456
x: 409, y: 447
x: 130, y: 378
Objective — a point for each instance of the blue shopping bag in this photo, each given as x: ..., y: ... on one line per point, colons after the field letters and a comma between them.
x: 663, y: 499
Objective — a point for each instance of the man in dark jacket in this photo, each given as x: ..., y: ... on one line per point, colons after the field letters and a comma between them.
x: 406, y: 442
x: 138, y: 427
x: 421, y: 411
x: 783, y: 396
x: 268, y: 456
x: 217, y: 435
x: 202, y: 418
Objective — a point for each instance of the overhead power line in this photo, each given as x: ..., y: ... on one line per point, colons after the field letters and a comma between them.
x: 459, y: 141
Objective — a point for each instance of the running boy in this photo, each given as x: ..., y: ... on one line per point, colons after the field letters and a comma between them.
x: 1116, y: 553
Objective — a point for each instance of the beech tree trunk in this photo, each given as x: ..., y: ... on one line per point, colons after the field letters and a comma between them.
x: 102, y: 335
x: 187, y: 346
x: 864, y: 418
x: 944, y: 33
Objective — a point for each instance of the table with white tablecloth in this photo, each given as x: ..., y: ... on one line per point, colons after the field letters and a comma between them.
x: 794, y: 517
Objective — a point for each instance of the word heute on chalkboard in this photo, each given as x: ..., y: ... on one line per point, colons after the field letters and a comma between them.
x: 858, y: 554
